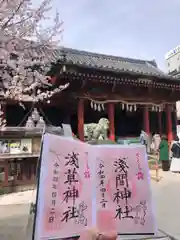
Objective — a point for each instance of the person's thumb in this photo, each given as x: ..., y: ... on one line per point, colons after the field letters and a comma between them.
x: 89, y: 234
x: 109, y: 236
x: 93, y: 234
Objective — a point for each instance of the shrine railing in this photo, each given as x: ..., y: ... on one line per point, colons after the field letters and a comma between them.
x: 24, y: 131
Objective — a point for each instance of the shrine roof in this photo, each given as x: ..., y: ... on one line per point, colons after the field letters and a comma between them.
x: 112, y: 63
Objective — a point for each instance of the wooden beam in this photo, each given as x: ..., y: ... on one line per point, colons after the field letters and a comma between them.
x: 169, y: 124
x: 81, y: 119
x: 111, y: 121
x: 146, y: 120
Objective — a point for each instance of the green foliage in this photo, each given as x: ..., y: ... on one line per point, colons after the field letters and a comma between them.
x: 102, y: 142
x: 129, y: 141
x: 3, y: 190
x: 106, y: 142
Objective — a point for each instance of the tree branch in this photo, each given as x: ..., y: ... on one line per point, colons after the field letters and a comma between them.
x: 13, y: 15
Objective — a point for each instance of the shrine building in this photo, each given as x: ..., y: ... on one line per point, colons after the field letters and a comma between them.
x: 132, y: 94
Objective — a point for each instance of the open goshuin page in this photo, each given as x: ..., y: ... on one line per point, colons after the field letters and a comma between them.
x: 86, y: 186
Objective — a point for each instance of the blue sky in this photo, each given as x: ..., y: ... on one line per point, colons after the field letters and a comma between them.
x: 145, y: 29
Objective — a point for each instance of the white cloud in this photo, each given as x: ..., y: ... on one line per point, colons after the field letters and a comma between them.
x: 144, y: 29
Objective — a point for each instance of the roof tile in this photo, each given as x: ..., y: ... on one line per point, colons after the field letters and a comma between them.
x: 112, y: 63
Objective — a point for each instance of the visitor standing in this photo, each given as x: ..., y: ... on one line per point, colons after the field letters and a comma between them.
x: 164, y: 153
x: 144, y: 138
x: 175, y: 149
x: 156, y: 142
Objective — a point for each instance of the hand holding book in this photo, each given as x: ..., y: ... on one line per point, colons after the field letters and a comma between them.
x: 93, y: 234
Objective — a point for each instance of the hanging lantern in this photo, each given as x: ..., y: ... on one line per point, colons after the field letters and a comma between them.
x: 123, y: 106
x: 91, y: 104
x: 102, y: 106
x: 99, y: 108
x: 127, y: 107
x: 135, y: 108
x: 95, y: 106
x: 130, y: 108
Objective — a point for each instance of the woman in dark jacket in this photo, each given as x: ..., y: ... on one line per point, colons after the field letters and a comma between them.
x: 175, y: 149
x: 164, y: 153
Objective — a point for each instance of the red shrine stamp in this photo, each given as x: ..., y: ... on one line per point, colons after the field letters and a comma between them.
x: 140, y: 174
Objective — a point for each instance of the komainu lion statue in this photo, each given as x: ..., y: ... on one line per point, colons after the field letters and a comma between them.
x: 96, y: 131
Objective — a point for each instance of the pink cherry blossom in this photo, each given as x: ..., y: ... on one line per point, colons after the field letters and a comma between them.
x: 27, y: 47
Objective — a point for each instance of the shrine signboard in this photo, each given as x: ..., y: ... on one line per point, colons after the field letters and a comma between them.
x: 19, y: 146
x: 80, y: 186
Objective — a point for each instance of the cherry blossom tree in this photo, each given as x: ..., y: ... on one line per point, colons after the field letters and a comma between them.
x: 27, y: 46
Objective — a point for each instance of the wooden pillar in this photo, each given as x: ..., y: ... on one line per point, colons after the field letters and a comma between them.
x: 15, y: 172
x: 169, y: 124
x: 111, y: 121
x: 146, y: 120
x: 81, y: 119
x: 33, y: 171
x: 160, y: 122
x: 24, y: 165
x: 6, y: 172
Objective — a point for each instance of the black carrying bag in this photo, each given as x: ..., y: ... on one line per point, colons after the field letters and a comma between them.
x: 176, y: 150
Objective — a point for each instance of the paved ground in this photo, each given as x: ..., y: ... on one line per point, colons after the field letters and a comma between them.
x: 17, y: 198
x: 14, y: 217
x: 167, y: 202
x: 13, y: 222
